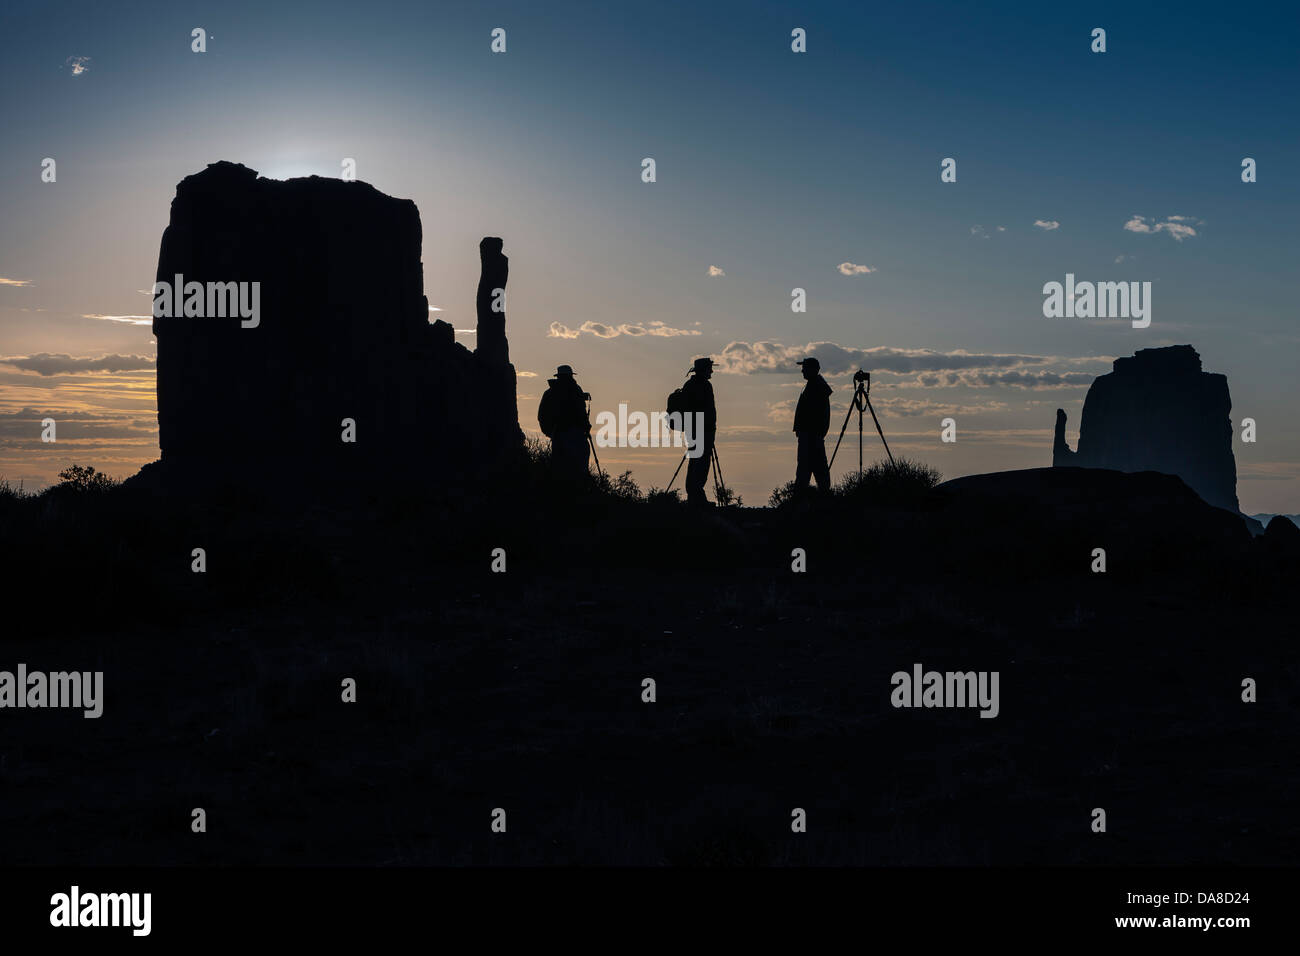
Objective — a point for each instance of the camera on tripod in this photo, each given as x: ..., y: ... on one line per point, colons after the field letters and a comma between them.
x: 861, y: 402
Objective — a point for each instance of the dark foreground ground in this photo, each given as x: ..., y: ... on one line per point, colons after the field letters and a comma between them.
x: 523, y: 690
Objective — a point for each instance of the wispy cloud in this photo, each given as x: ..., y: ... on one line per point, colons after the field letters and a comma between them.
x: 57, y: 363
x: 77, y: 64
x: 600, y: 330
x: 1010, y: 378
x: 892, y: 406
x: 714, y: 272
x: 17, y: 282
x: 1047, y: 225
x: 853, y: 269
x: 741, y: 358
x: 128, y: 319
x: 1179, y: 227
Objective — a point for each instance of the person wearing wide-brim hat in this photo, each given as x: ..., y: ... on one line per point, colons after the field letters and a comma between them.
x: 812, y: 419
x: 562, y: 415
x: 699, y: 399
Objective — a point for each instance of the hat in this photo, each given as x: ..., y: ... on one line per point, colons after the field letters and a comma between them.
x: 702, y: 363
x: 816, y: 365
x: 565, y: 370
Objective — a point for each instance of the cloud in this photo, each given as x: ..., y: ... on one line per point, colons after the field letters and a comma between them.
x: 1011, y: 378
x: 77, y: 64
x: 526, y: 374
x: 1047, y: 225
x: 17, y: 282
x: 48, y: 363
x: 128, y: 319
x: 23, y: 425
x: 600, y: 330
x: 741, y: 358
x: 852, y: 269
x: 714, y: 272
x: 910, y: 407
x: 888, y: 407
x: 434, y: 308
x: 1176, y: 226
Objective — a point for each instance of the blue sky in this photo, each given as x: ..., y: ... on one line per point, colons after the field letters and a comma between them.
x: 772, y: 166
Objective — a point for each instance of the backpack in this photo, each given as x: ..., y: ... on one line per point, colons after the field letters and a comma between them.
x: 678, y: 409
x: 546, y: 411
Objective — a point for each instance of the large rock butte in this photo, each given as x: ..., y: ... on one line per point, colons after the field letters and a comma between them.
x: 343, y: 332
x: 1158, y: 411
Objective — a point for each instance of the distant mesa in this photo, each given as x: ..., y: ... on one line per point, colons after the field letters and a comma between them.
x: 343, y: 332
x: 1158, y: 411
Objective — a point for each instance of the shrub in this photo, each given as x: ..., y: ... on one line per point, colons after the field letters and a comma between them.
x: 781, y: 495
x: 900, y: 481
x: 623, y: 487
x: 726, y: 497
x: 9, y: 493
x: 81, y: 478
x: 659, y: 496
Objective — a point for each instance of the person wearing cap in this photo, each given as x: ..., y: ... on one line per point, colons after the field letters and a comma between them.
x: 699, y: 398
x: 562, y: 415
x: 812, y: 419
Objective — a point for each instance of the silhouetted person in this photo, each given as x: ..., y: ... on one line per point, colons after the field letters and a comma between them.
x: 812, y: 419
x: 699, y: 398
x: 562, y: 415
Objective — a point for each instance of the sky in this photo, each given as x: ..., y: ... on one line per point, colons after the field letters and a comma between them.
x: 774, y: 170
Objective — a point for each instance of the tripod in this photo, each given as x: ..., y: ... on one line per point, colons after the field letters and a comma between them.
x: 862, y: 402
x: 718, y: 483
x: 591, y: 441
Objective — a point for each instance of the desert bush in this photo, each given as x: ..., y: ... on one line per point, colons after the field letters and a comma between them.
x: 726, y: 497
x: 10, y: 493
x: 623, y: 487
x: 659, y: 496
x: 898, y: 482
x: 85, y: 479
x: 781, y: 495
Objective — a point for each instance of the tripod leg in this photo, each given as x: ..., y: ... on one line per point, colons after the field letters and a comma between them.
x: 880, y: 433
x: 596, y: 458
x: 675, y: 474
x: 717, y: 467
x: 860, y: 443
x: 831, y: 463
